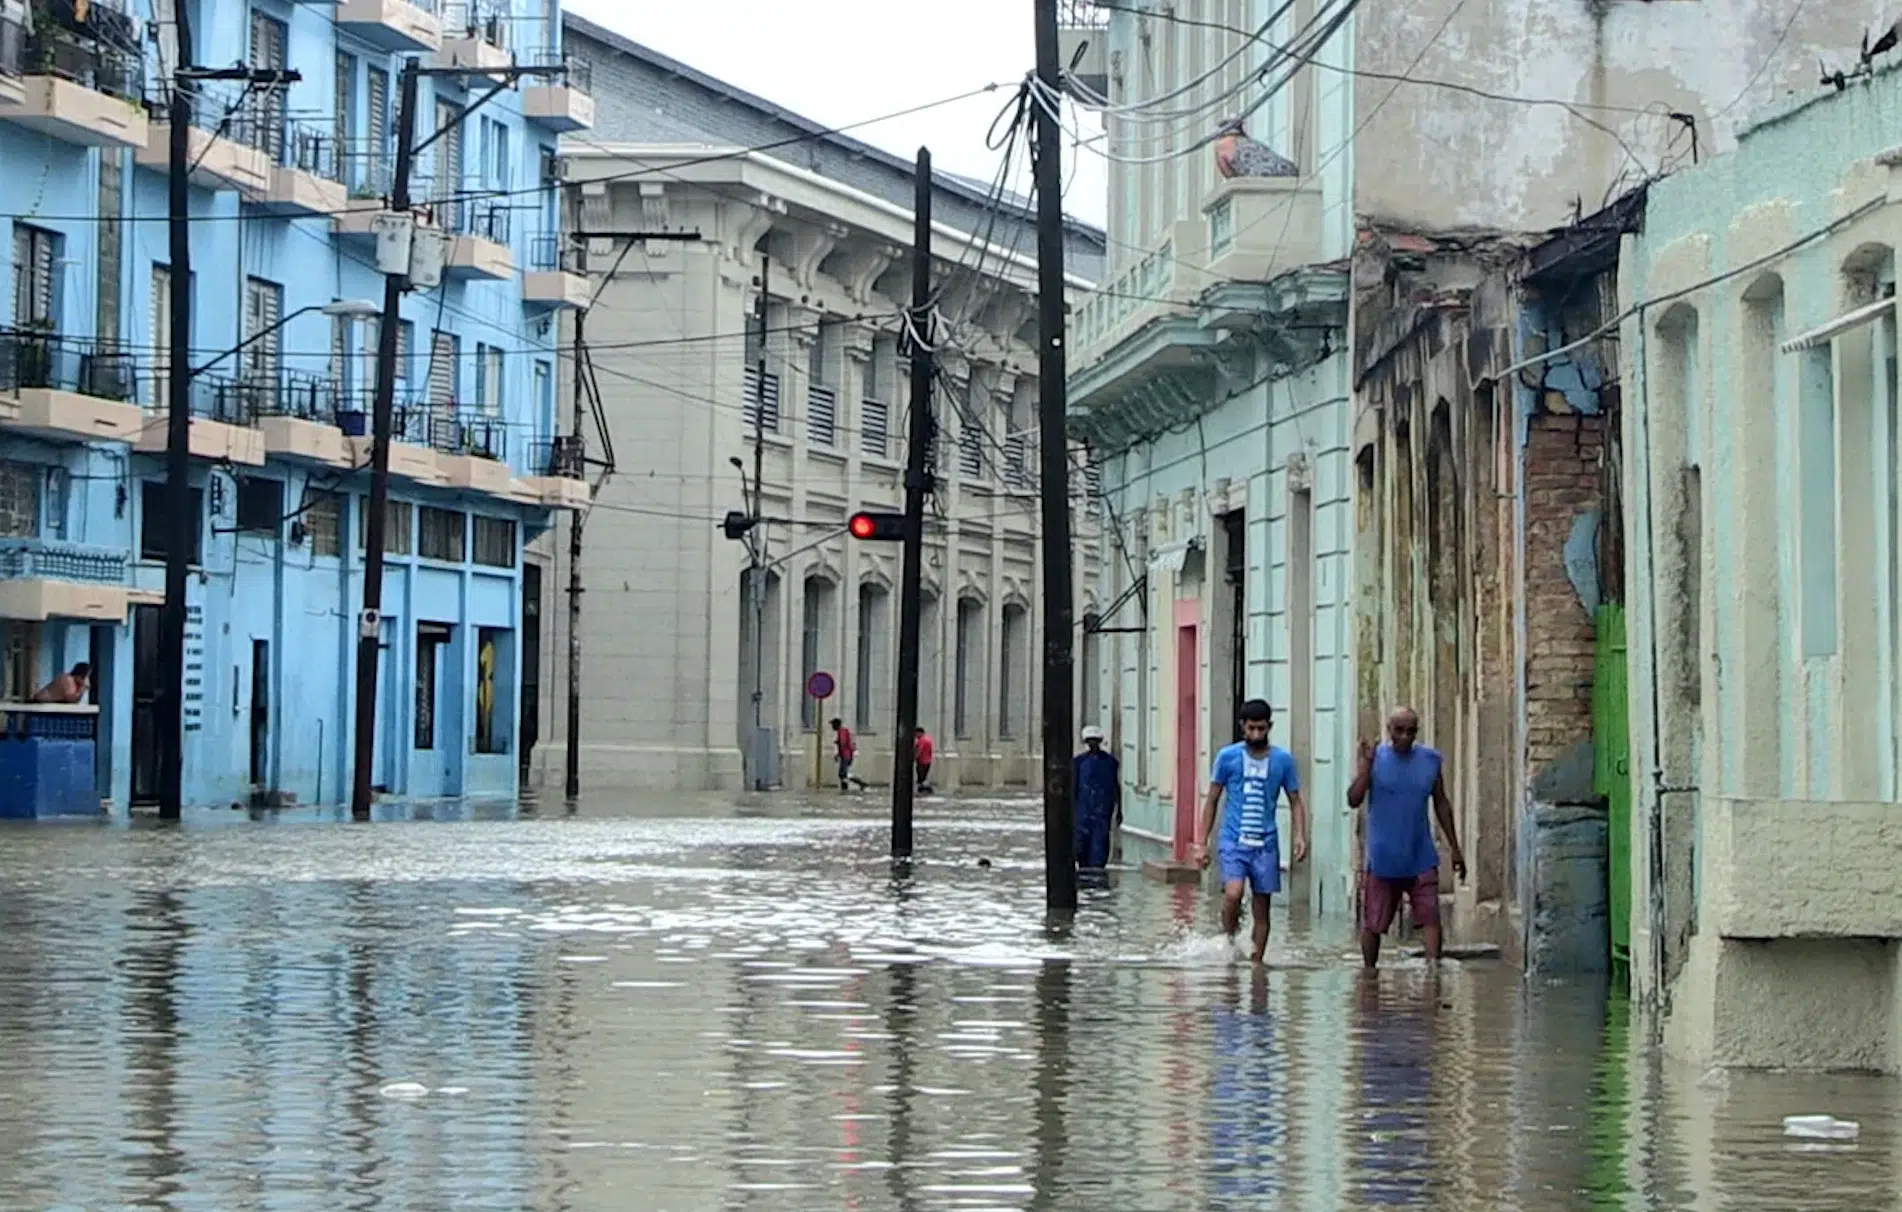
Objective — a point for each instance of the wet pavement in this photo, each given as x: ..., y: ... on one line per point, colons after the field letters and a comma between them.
x: 692, y: 1006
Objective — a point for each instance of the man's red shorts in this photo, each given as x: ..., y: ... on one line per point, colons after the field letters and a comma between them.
x: 1380, y: 900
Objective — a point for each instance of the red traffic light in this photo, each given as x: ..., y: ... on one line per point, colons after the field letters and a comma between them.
x: 871, y: 527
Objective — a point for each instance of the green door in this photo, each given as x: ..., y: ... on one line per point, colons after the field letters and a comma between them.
x: 1611, y: 774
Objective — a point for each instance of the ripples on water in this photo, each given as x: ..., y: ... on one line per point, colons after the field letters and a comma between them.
x: 748, y: 1012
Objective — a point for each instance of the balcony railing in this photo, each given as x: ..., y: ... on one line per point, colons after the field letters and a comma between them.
x: 12, y: 47
x: 101, y: 66
x: 760, y: 400
x: 34, y: 359
x: 312, y: 149
x: 484, y: 19
x: 53, y: 560
x: 296, y: 394
x: 452, y: 430
x: 1081, y: 14
x: 225, y: 400
x: 563, y: 456
x: 552, y: 254
x: 578, y: 71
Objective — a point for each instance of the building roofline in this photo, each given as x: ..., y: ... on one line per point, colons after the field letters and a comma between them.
x: 948, y: 182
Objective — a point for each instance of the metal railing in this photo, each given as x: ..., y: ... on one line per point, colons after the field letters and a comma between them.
x: 12, y: 47
x: 312, y: 149
x: 30, y: 358
x: 298, y: 394
x: 484, y: 19
x: 578, y: 70
x: 1081, y: 14
x: 56, y: 560
x: 562, y: 456
x: 549, y: 254
x: 54, y: 51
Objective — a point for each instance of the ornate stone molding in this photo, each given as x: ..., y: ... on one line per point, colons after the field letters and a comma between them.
x: 752, y: 218
x: 858, y: 268
x: 810, y: 245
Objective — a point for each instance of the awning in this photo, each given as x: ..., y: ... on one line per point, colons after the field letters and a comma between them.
x: 1171, y: 557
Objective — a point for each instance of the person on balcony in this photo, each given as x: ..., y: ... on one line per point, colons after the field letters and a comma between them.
x: 67, y: 687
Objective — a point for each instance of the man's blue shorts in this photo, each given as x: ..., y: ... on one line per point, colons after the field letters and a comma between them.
x: 1260, y: 866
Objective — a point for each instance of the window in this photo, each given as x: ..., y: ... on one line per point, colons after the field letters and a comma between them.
x: 760, y: 402
x: 345, y: 101
x: 322, y: 517
x: 19, y: 500
x: 35, y: 290
x: 488, y: 379
x: 822, y: 397
x: 268, y: 39
x: 875, y: 420
x: 263, y: 312
x: 442, y: 537
x: 398, y: 522
x: 971, y: 448
x: 19, y: 659
x: 260, y: 506
x: 881, y: 371
x: 405, y: 343
x: 968, y: 665
x: 494, y: 669
x: 449, y: 165
x: 1816, y: 472
x: 377, y: 130
x: 497, y: 170
x: 431, y: 639
x: 1013, y: 680
x: 872, y: 674
x: 494, y: 542
x: 815, y: 627
x: 111, y: 247
x: 161, y: 327
x: 445, y: 348
x: 152, y: 518
x: 544, y: 396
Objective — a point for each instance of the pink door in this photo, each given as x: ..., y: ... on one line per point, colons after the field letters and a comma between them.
x: 1188, y: 765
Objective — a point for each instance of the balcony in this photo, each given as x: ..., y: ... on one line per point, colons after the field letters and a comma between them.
x: 411, y: 458
x: 231, y: 142
x: 42, y: 579
x: 408, y: 27
x: 224, y: 424
x: 556, y: 279
x: 1258, y: 228
x: 471, y: 452
x: 480, y: 247
x: 65, y: 390
x: 561, y: 482
x: 298, y: 419
x: 79, y: 87
x: 475, y: 37
x: 1084, y: 27
x: 565, y: 104
x: 308, y: 176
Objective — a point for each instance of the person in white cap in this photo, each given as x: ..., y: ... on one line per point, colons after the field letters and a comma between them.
x: 1099, y: 800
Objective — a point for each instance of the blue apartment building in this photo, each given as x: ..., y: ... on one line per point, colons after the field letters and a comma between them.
x: 286, y: 186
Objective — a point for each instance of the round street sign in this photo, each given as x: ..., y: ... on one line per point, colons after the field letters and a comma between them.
x: 820, y: 685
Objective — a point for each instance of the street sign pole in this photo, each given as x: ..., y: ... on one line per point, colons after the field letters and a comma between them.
x: 820, y: 687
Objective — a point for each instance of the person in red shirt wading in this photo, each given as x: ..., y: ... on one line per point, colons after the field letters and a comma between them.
x: 845, y: 748
x: 921, y: 754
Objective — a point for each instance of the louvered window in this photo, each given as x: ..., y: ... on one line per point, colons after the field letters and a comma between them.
x: 342, y: 365
x: 449, y: 166
x: 345, y: 101
x: 19, y: 500
x: 35, y: 252
x: 970, y: 442
x: 875, y: 419
x: 377, y: 130
x: 489, y: 379
x: 268, y: 39
x: 161, y: 325
x: 445, y: 348
x: 264, y: 348
x: 111, y: 245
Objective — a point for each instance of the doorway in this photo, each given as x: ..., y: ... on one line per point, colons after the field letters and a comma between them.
x: 1235, y: 577
x: 1187, y: 713
x: 529, y: 730
x: 260, y: 714
x: 145, y: 698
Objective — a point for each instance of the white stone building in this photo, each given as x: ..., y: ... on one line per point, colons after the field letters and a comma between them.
x: 668, y: 676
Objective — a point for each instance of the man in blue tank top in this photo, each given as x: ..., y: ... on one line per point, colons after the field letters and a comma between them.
x: 1395, y: 782
x: 1251, y: 777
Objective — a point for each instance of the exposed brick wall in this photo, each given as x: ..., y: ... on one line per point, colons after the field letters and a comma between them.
x: 1562, y: 478
x: 640, y: 101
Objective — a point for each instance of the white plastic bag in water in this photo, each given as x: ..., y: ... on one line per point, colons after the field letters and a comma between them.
x: 1821, y: 1127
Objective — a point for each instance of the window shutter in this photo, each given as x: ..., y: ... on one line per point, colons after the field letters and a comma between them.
x: 378, y: 128
x: 442, y: 369
x: 162, y: 322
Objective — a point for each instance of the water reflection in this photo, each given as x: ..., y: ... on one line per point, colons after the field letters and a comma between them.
x: 665, y: 1009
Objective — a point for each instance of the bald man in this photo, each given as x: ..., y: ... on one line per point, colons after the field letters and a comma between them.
x: 1395, y: 782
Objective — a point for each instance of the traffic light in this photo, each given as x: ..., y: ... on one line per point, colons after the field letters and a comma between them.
x: 871, y: 527
x: 736, y: 524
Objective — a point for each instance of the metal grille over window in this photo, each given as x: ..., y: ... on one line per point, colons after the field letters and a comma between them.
x: 875, y: 420
x: 19, y: 500
x: 35, y: 254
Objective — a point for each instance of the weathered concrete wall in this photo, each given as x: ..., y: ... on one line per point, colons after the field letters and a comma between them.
x: 1568, y: 915
x: 1582, y: 90
x: 1785, y: 573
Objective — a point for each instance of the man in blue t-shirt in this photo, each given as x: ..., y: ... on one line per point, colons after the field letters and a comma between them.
x: 1251, y: 776
x: 1395, y: 783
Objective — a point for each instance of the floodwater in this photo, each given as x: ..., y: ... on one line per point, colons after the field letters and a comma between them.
x: 703, y: 1007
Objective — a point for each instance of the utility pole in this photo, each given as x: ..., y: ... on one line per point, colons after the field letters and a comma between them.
x: 919, y: 348
x: 756, y: 543
x: 1059, y: 608
x: 395, y: 282
x: 369, y: 623
x: 182, y: 521
x: 571, y: 768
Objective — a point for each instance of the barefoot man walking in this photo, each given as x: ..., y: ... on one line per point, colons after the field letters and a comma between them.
x: 1395, y: 782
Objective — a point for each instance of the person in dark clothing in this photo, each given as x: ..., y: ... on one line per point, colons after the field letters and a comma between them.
x: 1099, y: 800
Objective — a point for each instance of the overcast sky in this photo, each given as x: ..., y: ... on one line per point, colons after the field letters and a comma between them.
x: 843, y: 61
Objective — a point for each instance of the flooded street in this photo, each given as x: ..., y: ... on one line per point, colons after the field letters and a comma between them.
x: 743, y: 1010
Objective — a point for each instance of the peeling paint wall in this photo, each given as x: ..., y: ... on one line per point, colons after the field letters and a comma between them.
x: 1445, y: 160
x: 1484, y: 501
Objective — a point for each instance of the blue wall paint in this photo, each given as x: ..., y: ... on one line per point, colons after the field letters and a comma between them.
x: 260, y: 588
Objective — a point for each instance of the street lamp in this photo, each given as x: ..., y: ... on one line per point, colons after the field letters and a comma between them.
x: 354, y: 308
